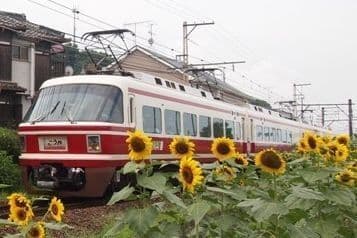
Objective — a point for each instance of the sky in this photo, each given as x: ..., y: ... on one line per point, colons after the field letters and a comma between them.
x: 282, y: 41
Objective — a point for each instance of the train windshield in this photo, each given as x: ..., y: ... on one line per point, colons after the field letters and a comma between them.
x: 78, y: 102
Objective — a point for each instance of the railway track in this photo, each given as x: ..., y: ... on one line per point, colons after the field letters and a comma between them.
x: 40, y: 207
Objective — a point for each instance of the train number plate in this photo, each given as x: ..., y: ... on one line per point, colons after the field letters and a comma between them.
x: 53, y: 143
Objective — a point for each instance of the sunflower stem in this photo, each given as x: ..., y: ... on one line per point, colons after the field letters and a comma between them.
x: 196, y: 231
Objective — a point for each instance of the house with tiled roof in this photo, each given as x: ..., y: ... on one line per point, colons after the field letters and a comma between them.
x: 28, y: 57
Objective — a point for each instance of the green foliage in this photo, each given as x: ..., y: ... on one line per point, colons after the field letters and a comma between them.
x: 10, y: 143
x: 9, y: 172
x: 306, y: 201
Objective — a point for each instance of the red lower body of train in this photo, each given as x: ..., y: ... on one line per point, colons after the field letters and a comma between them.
x: 61, y: 159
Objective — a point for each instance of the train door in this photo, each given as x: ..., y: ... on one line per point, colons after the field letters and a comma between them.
x: 131, y: 111
x: 250, y: 146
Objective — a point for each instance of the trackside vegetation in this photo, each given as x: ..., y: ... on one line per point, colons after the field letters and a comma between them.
x: 310, y: 192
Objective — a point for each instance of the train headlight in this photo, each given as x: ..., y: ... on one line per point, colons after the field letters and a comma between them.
x: 93, y: 144
x: 22, y: 144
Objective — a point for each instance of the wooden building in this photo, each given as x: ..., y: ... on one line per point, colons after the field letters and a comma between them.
x: 28, y: 57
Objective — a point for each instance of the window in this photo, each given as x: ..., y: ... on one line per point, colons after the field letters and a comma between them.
x: 168, y: 84
x: 285, y: 136
x: 172, y: 122
x: 229, y: 126
x: 203, y: 94
x: 189, y: 124
x: 218, y: 128
x: 205, y: 126
x: 158, y: 81
x: 273, y: 134
x: 20, y: 52
x: 290, y: 139
x: 152, y: 120
x: 259, y: 133
x: 266, y: 133
x: 182, y: 88
x: 278, y: 136
x: 173, y: 85
x: 131, y: 109
x: 238, y: 132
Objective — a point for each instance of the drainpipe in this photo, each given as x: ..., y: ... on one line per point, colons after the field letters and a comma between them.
x: 32, y: 70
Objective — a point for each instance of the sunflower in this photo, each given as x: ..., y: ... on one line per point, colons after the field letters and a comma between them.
x: 302, y: 147
x: 21, y: 215
x: 343, y: 139
x: 326, y: 138
x: 341, y: 153
x: 226, y: 172
x: 190, y: 174
x: 270, y: 161
x: 140, y: 145
x: 311, y: 141
x: 352, y: 166
x: 18, y: 200
x: 56, y: 209
x: 322, y: 147
x: 36, y: 231
x: 346, y: 177
x: 223, y: 148
x: 181, y: 146
x: 332, y: 148
x: 241, y: 160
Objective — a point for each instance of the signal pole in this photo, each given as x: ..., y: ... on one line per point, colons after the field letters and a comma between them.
x: 74, y: 11
x: 299, y: 95
x: 350, y: 118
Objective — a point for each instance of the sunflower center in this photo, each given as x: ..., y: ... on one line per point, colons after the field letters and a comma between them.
x: 54, y: 209
x: 302, y: 144
x: 271, y: 160
x: 20, y: 203
x: 137, y: 144
x: 340, y: 153
x: 239, y: 161
x: 333, y: 150
x: 21, y: 214
x: 34, y: 232
x: 312, y: 142
x: 187, y: 175
x: 181, y: 148
x: 342, y: 141
x: 323, y: 150
x: 345, y: 177
x: 223, y: 148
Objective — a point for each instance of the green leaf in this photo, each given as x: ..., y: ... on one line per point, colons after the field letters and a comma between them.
x: 239, y: 195
x: 209, y: 166
x: 123, y: 194
x: 140, y: 220
x: 13, y: 235
x: 296, y: 161
x: 174, y: 199
x: 7, y: 222
x: 57, y: 226
x: 129, y: 167
x: 155, y: 182
x: 301, y: 232
x: 311, y: 175
x: 307, y: 193
x: 341, y: 196
x: 198, y: 210
x: 5, y: 186
x: 293, y: 202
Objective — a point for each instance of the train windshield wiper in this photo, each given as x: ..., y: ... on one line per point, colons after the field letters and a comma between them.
x: 67, y: 113
x: 43, y: 116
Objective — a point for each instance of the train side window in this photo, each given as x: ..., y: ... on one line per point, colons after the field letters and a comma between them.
x: 290, y: 137
x: 285, y: 137
x: 266, y: 133
x: 259, y: 133
x: 238, y: 131
x: 168, y: 84
x: 189, y: 124
x: 273, y: 133
x: 218, y: 128
x: 203, y: 94
x: 279, y: 135
x: 182, y: 88
x: 172, y: 122
x: 229, y: 127
x: 131, y: 109
x: 158, y: 81
x: 152, y: 120
x: 205, y: 126
x: 173, y: 85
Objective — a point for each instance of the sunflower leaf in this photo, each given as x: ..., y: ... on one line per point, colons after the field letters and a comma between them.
x: 121, y: 195
x: 7, y: 222
x: 174, y: 199
x: 301, y: 232
x: 293, y: 202
x: 307, y: 193
x: 198, y: 210
x: 155, y: 182
x: 56, y: 226
x: 234, y: 195
x: 129, y: 167
x: 311, y: 175
x: 341, y: 196
x: 140, y: 220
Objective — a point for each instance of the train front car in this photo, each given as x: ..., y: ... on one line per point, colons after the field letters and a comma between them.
x: 69, y: 137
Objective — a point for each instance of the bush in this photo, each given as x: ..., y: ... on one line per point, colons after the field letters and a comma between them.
x: 10, y: 142
x: 9, y: 172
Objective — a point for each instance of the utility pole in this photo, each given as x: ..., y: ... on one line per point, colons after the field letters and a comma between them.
x: 185, y: 39
x: 323, y: 116
x: 298, y: 95
x: 350, y: 118
x: 74, y: 11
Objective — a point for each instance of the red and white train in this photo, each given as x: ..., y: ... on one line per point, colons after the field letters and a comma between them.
x: 74, y: 134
